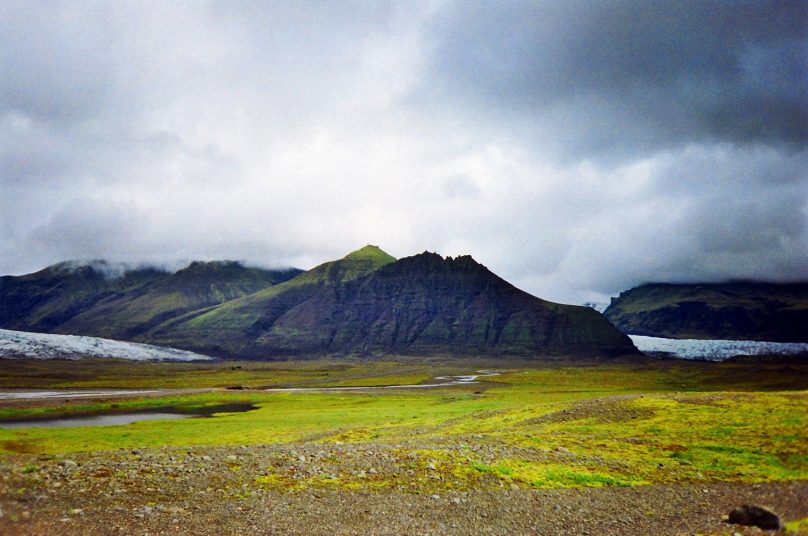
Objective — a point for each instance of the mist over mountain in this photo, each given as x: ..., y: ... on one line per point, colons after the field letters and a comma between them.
x: 366, y: 303
x: 560, y: 142
x: 113, y: 300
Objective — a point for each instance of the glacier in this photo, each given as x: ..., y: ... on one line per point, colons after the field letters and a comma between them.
x: 715, y: 349
x: 27, y: 345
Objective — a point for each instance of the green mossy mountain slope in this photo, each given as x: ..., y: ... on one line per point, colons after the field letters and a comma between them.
x: 232, y: 327
x: 737, y: 311
x: 44, y: 300
x: 367, y: 304
x: 90, y: 300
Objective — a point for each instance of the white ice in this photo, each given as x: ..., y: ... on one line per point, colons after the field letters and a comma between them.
x: 25, y: 345
x: 715, y: 349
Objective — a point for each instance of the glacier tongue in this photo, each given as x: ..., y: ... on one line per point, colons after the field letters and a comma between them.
x: 715, y: 349
x: 26, y: 345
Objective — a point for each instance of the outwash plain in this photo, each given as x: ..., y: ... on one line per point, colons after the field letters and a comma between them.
x: 639, y: 446
x: 407, y: 268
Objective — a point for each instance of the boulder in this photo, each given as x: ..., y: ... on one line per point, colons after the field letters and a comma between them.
x: 755, y: 516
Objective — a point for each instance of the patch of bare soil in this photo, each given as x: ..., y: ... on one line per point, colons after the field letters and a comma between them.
x: 603, y: 409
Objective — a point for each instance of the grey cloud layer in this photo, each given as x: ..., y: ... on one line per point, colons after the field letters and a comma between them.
x: 577, y: 148
x: 632, y: 76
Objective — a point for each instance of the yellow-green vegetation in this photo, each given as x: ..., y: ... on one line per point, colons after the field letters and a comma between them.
x: 242, y: 311
x: 122, y: 374
x: 798, y: 526
x: 616, y: 425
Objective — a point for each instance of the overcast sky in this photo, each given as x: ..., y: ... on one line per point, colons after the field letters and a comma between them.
x: 575, y: 148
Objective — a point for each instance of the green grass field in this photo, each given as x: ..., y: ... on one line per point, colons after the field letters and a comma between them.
x: 551, y: 426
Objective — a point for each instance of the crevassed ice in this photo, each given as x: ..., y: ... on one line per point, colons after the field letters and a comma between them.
x: 715, y: 349
x: 23, y: 344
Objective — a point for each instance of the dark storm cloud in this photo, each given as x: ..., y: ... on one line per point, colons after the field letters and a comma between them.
x: 575, y: 148
x: 629, y: 76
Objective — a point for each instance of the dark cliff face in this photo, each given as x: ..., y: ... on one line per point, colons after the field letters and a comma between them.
x: 742, y: 311
x: 423, y: 305
x: 94, y: 299
x: 364, y: 303
x: 427, y: 304
x: 44, y: 300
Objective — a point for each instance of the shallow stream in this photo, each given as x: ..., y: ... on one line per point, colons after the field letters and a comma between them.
x: 167, y: 413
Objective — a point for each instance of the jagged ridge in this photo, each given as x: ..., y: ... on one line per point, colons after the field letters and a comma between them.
x: 425, y: 304
x: 365, y: 303
x: 90, y: 299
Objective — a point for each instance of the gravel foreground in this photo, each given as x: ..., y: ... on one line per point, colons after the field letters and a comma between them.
x: 213, y: 491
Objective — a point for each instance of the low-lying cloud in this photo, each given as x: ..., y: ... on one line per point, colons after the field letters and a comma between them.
x: 575, y: 148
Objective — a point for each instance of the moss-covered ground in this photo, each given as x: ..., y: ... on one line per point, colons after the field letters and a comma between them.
x: 532, y: 426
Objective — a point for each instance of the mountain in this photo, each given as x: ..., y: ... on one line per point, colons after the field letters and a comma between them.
x: 739, y: 311
x: 103, y: 299
x: 44, y: 300
x: 365, y: 303
x: 368, y: 302
x: 233, y: 327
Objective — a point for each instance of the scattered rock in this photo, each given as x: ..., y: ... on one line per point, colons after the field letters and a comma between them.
x: 102, y: 472
x: 755, y: 516
x: 191, y: 492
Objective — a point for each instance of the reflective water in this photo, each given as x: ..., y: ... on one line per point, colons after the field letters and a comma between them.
x: 96, y: 420
x: 73, y: 393
x: 119, y: 418
x: 439, y: 381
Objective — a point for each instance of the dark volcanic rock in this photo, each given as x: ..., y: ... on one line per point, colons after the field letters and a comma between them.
x: 425, y: 304
x: 365, y: 303
x: 738, y: 311
x: 44, y: 300
x: 108, y: 300
x: 755, y: 516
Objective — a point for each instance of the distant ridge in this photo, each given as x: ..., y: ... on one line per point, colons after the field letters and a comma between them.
x: 368, y: 303
x: 104, y: 299
x: 741, y: 310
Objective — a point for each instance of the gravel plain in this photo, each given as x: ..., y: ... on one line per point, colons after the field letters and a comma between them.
x: 376, y: 489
